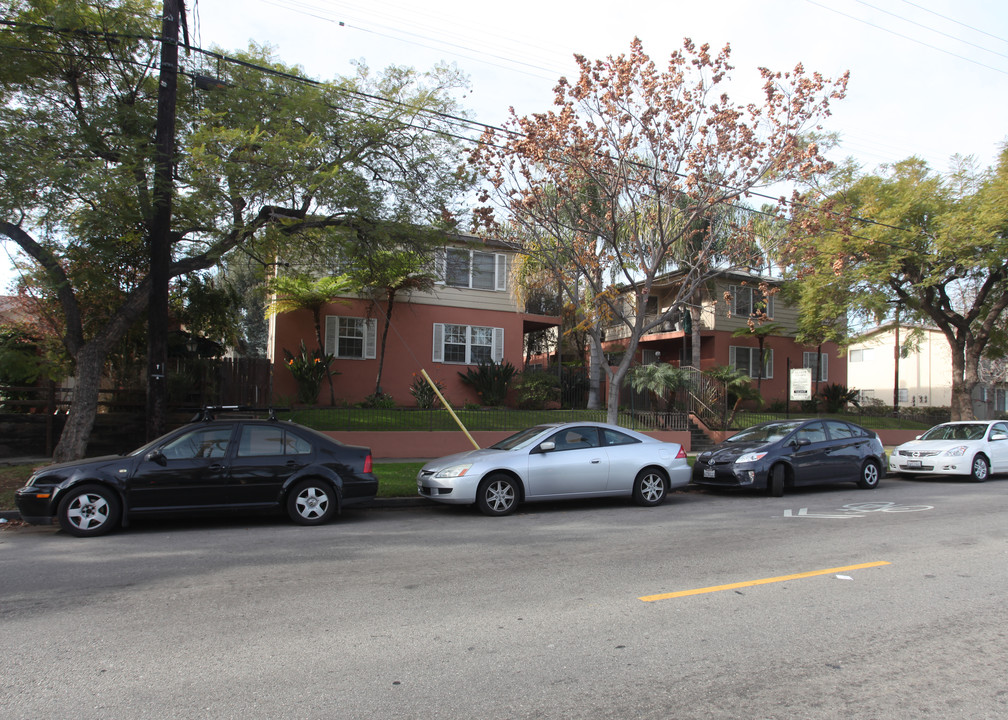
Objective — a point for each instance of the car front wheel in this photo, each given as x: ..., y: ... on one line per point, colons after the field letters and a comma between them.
x: 649, y: 488
x: 980, y: 470
x: 497, y: 496
x: 89, y: 510
x: 775, y: 483
x: 311, y: 502
x: 869, y: 475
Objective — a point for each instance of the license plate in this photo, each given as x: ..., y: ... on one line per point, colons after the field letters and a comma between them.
x: 913, y: 463
x: 708, y: 472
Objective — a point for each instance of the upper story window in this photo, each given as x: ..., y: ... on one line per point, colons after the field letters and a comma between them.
x: 748, y: 301
x: 463, y: 268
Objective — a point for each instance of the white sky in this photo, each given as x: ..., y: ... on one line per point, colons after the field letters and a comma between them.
x: 928, y: 77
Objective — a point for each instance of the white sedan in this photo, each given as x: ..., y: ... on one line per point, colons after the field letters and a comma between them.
x: 557, y: 461
x: 976, y: 448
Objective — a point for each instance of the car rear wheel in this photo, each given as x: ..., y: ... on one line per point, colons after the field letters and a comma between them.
x: 980, y: 470
x: 869, y: 479
x: 89, y: 510
x: 311, y: 502
x: 497, y: 496
x: 775, y: 483
x: 649, y: 488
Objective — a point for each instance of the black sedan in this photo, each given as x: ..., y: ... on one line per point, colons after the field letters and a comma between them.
x: 792, y: 453
x: 207, y: 466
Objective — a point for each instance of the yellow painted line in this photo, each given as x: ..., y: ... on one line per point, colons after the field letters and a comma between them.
x: 764, y: 581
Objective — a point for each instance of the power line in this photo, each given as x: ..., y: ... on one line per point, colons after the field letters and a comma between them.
x: 907, y: 37
x: 930, y: 29
x: 462, y: 122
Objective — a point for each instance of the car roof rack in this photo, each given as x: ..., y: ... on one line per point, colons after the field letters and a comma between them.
x: 209, y: 412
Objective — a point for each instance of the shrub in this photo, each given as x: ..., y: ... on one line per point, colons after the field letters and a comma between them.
x: 381, y: 401
x: 490, y: 380
x: 536, y: 388
x: 836, y: 396
x: 309, y: 370
x: 423, y: 393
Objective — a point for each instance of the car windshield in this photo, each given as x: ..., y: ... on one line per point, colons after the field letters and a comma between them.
x: 519, y: 439
x: 956, y: 431
x: 767, y: 433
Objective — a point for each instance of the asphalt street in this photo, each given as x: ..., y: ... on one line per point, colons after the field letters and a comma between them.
x: 826, y: 603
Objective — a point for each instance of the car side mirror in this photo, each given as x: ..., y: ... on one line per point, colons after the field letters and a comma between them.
x: 999, y: 436
x: 547, y: 445
x: 801, y: 442
x: 156, y: 456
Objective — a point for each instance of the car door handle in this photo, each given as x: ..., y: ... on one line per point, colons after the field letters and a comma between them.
x: 596, y: 461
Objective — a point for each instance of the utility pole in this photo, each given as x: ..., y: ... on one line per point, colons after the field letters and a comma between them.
x: 160, y: 227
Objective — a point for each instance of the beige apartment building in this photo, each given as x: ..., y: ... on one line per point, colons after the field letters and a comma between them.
x: 925, y: 374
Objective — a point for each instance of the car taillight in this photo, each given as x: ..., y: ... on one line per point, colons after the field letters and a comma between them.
x: 681, y: 454
x: 367, y: 463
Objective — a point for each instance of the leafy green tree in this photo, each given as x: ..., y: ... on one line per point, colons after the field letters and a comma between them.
x: 935, y: 246
x: 266, y: 156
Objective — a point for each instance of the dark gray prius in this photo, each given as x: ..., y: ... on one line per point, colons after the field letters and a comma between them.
x: 783, y: 454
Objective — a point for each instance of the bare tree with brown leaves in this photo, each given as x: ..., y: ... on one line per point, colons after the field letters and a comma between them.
x: 608, y: 188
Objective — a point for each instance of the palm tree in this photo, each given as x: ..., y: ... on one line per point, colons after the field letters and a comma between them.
x: 761, y: 333
x: 388, y: 275
x: 736, y: 383
x: 300, y: 292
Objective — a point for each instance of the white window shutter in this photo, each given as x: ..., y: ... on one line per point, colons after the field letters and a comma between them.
x: 331, y: 333
x: 438, y: 354
x: 823, y: 371
x: 768, y: 364
x: 370, y: 338
x: 502, y: 272
x: 440, y: 266
x: 769, y: 307
x: 731, y: 357
x: 497, y: 352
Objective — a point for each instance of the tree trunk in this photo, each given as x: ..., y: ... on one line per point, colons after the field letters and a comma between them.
x: 321, y: 346
x: 87, y: 378
x: 695, y: 335
x: 390, y: 301
x: 962, y: 403
x: 595, y: 371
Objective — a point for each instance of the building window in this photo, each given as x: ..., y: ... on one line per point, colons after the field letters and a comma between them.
x: 351, y: 338
x: 467, y: 344
x: 863, y: 355
x: 748, y: 301
x: 809, y: 361
x: 904, y: 395
x: 746, y: 360
x: 473, y: 269
x: 999, y: 400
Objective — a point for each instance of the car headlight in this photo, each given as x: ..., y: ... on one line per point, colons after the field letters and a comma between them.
x: 751, y: 457
x: 454, y: 471
x: 957, y: 451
